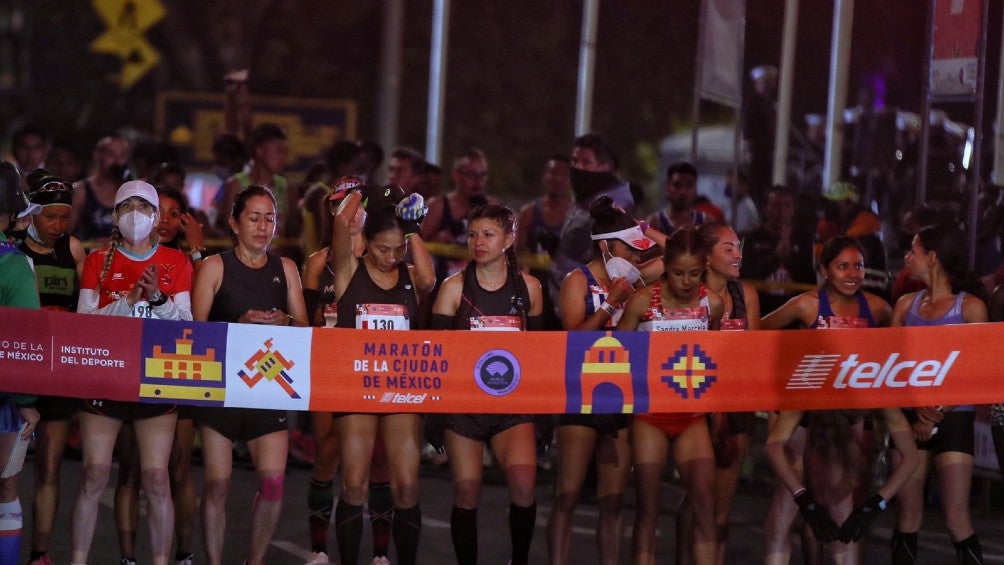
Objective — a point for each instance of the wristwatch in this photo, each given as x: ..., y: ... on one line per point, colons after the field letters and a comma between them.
x: 159, y: 301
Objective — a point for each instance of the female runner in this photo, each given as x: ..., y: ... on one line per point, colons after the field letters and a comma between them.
x: 678, y: 302
x: 249, y: 285
x: 133, y: 276
x: 592, y: 298
x: 944, y: 434
x: 322, y: 310
x: 380, y: 291
x: 839, y: 463
x: 490, y: 291
x: 730, y: 432
x: 58, y: 258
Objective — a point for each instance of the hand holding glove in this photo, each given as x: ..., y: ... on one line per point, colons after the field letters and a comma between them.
x: 859, y: 520
x: 819, y: 519
x: 411, y: 210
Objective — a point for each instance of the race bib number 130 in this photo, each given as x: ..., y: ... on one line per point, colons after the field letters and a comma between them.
x: 381, y: 317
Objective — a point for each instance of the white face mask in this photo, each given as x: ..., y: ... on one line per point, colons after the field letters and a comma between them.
x: 135, y: 226
x: 620, y: 267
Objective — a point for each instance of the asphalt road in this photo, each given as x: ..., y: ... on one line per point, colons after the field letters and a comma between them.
x: 291, y: 543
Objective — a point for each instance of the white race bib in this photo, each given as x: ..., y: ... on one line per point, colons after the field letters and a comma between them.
x: 496, y: 323
x: 381, y: 317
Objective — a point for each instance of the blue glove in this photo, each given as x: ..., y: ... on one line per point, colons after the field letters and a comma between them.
x: 411, y: 209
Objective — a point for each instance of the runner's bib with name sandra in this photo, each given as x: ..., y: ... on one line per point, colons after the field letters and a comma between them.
x: 676, y: 320
x: 381, y: 317
x: 496, y: 323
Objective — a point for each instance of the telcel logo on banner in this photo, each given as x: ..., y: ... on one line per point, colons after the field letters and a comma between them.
x: 813, y: 372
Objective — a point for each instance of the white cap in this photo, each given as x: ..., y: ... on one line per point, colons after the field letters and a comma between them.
x: 144, y: 190
x: 633, y: 236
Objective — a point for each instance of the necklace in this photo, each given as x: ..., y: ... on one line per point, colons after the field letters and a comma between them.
x: 490, y: 285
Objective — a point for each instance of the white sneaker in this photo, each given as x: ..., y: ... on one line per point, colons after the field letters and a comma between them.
x: 380, y: 560
x: 318, y: 558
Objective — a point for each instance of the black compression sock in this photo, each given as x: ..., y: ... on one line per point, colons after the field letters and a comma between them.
x: 464, y: 531
x: 407, y: 527
x: 349, y: 531
x: 521, y: 522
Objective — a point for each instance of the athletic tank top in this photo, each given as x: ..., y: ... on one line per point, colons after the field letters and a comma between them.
x: 735, y: 320
x: 667, y: 226
x: 826, y: 319
x: 56, y: 275
x: 96, y: 221
x: 952, y: 316
x: 658, y: 319
x: 596, y: 294
x: 365, y: 305
x: 542, y: 237
x: 498, y: 310
x: 326, y: 294
x: 458, y: 228
x: 244, y: 288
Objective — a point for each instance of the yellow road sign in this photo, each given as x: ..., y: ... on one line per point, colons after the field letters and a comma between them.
x: 127, y: 20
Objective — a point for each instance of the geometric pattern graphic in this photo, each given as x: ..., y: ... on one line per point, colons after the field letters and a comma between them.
x: 182, y: 374
x: 689, y: 375
x: 600, y: 377
x: 269, y: 365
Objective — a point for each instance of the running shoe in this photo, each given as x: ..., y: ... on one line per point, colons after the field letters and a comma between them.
x: 184, y: 560
x: 380, y: 560
x: 43, y: 560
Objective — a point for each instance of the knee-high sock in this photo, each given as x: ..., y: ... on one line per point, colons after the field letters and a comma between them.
x: 320, y: 503
x: 10, y: 531
x: 407, y: 526
x: 521, y: 522
x: 968, y: 551
x: 464, y: 531
x: 904, y: 548
x: 349, y: 531
x: 381, y: 506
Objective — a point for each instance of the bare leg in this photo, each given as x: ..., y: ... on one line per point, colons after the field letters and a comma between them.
x: 783, y: 510
x: 726, y: 483
x: 695, y: 459
x: 575, y: 451
x: 98, y: 435
x: 217, y: 454
x: 155, y: 437
x: 650, y: 449
x: 516, y: 451
x: 50, y: 443
x: 613, y: 463
x: 182, y: 484
x: 269, y: 455
x: 127, y: 491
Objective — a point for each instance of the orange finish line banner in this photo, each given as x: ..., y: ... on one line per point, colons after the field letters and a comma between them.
x: 343, y: 370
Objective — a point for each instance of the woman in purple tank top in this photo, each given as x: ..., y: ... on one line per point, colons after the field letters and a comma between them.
x: 944, y: 433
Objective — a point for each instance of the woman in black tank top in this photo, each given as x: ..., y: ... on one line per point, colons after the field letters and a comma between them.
x: 491, y: 291
x: 379, y: 291
x: 248, y: 285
